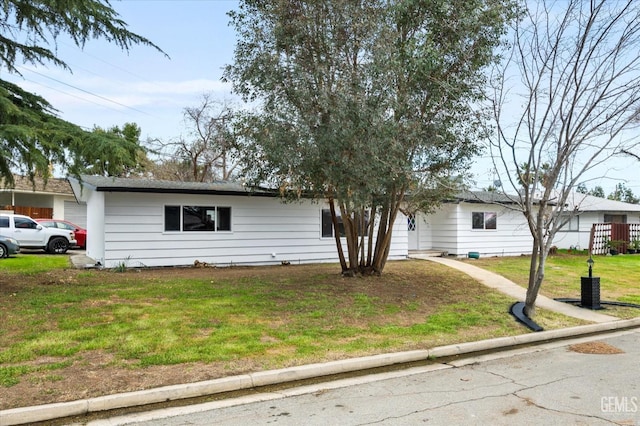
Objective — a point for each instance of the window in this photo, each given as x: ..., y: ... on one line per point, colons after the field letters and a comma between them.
x: 24, y: 223
x: 197, y: 218
x: 4, y: 222
x: 615, y: 218
x: 411, y: 222
x: 573, y: 224
x: 327, y: 224
x: 484, y: 220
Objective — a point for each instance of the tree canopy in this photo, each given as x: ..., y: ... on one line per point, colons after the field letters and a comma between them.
x: 363, y: 102
x: 29, y: 29
x: 32, y: 137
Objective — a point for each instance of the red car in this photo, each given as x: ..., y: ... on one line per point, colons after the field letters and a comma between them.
x: 81, y: 233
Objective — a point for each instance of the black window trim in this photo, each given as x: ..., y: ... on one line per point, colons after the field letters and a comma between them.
x: 484, y: 214
x: 181, y: 209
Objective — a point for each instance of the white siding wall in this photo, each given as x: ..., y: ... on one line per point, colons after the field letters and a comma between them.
x: 444, y: 228
x: 511, y: 238
x: 264, y: 231
x: 449, y: 229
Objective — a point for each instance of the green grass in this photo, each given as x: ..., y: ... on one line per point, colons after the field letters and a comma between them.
x: 30, y: 264
x: 296, y: 316
x: 247, y: 319
x: 619, y: 277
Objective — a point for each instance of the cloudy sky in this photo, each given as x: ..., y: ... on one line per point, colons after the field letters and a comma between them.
x: 108, y: 86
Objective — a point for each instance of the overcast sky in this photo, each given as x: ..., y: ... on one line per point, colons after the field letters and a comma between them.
x: 110, y: 87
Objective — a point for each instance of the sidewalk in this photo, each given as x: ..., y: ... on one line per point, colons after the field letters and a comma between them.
x: 510, y: 288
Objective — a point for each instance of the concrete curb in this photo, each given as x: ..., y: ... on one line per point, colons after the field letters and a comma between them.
x: 39, y: 413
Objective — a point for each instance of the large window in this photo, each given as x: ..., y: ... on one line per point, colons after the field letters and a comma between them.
x: 327, y: 224
x: 197, y: 218
x: 484, y: 220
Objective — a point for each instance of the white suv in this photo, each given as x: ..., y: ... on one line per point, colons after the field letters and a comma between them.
x: 32, y: 235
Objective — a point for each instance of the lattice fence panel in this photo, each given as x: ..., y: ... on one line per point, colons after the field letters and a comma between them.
x: 600, y: 234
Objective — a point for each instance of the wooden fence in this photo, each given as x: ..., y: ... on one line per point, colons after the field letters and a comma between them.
x: 34, y: 212
x: 620, y: 235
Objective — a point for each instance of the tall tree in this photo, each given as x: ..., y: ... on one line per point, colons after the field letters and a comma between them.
x: 363, y: 102
x: 597, y: 190
x: 622, y: 193
x: 113, y: 152
x: 31, y: 134
x: 209, y: 151
x: 566, y: 96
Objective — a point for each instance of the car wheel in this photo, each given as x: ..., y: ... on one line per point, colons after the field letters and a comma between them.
x: 58, y: 245
x: 3, y: 251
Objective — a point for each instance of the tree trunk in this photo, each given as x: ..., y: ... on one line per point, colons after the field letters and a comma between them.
x: 536, y: 276
x: 336, y: 235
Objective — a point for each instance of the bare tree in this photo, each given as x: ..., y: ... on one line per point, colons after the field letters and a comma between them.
x: 208, y: 151
x: 564, y: 101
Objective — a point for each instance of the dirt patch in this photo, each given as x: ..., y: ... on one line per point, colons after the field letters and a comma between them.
x: 596, y: 348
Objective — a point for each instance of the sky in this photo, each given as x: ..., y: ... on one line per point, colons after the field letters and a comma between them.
x: 108, y: 86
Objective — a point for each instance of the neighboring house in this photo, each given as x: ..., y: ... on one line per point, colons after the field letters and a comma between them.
x: 475, y: 221
x: 592, y: 210
x: 139, y: 222
x: 53, y: 199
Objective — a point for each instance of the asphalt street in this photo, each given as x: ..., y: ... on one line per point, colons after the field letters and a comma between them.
x: 551, y: 383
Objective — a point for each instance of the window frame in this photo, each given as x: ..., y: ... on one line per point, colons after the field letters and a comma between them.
x: 572, y: 225
x: 326, y: 213
x: 221, y: 222
x: 488, y: 217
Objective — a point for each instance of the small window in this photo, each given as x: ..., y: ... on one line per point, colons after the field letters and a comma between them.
x: 171, y: 218
x: 615, y: 218
x: 484, y: 220
x: 4, y: 222
x: 573, y: 224
x: 327, y: 224
x: 223, y: 219
x: 411, y: 222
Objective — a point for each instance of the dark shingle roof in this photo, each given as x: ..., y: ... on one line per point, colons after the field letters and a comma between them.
x: 485, y: 197
x: 113, y: 184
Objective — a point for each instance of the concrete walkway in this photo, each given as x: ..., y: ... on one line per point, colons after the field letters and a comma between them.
x: 511, y: 289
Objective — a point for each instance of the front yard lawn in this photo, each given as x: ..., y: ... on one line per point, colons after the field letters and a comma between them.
x: 68, y: 334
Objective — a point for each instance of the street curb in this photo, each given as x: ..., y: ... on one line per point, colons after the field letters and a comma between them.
x: 39, y: 413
